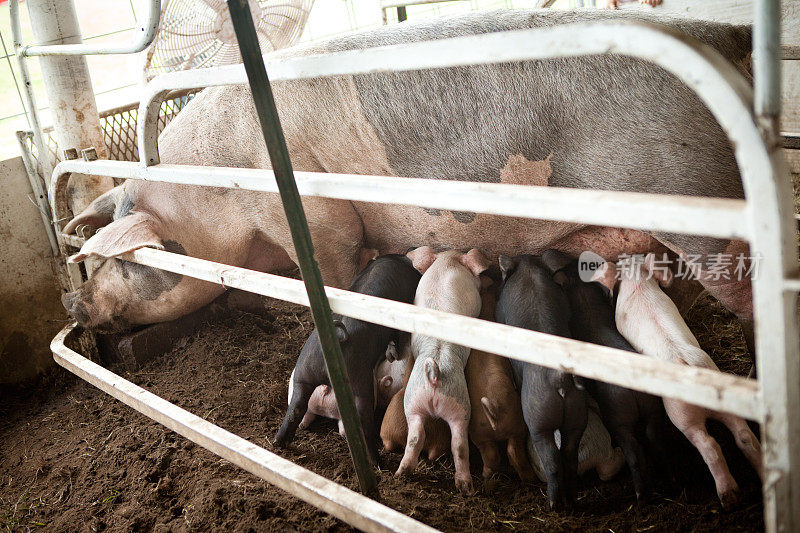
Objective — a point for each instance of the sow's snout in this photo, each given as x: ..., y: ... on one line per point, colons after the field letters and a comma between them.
x: 74, y: 305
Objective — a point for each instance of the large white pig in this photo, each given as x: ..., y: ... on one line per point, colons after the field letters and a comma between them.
x: 589, y: 122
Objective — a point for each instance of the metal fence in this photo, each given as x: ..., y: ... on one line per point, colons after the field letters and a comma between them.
x: 765, y: 220
x: 119, y: 130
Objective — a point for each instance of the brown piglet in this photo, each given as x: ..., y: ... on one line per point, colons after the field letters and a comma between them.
x: 496, y: 408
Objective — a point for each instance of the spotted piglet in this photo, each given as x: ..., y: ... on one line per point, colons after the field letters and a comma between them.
x: 437, y: 387
x: 653, y: 325
x: 363, y: 345
x: 595, y: 451
x: 388, y: 380
x: 551, y: 399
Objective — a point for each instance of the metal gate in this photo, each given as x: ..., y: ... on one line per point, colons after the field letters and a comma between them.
x: 765, y: 220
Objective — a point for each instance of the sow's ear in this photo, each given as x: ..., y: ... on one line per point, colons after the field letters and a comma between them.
x: 475, y: 261
x: 129, y: 233
x: 422, y: 258
x: 98, y: 214
x: 507, y: 266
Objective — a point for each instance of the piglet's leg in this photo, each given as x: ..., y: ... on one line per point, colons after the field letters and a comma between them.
x: 460, y: 448
x: 545, y: 444
x: 634, y: 456
x: 745, y: 440
x: 575, y: 420
x: 490, y: 456
x: 414, y: 444
x: 301, y: 393
x: 365, y: 405
x: 307, y: 420
x: 571, y: 438
x: 727, y: 489
x: 518, y: 457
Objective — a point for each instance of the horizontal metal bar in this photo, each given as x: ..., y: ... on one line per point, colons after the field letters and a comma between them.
x: 341, y: 502
x: 148, y: 32
x: 388, y: 4
x: 792, y: 285
x: 714, y: 217
x: 708, y: 388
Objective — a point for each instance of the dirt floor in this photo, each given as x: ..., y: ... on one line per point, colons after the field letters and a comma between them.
x: 74, y: 459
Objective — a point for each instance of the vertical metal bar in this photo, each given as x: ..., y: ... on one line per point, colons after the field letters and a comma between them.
x: 41, y: 195
x: 774, y: 238
x: 401, y: 14
x: 766, y: 59
x: 301, y: 237
x: 27, y: 89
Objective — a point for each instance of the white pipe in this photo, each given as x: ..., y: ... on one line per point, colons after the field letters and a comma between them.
x: 351, y: 507
x: 70, y: 94
x: 27, y: 91
x: 708, y: 388
x: 146, y: 33
x: 716, y: 217
x: 718, y: 84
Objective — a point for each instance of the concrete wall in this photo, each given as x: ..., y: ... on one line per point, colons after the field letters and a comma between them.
x: 30, y: 309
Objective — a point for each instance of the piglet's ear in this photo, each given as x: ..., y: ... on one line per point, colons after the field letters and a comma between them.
x: 97, y: 214
x: 507, y: 266
x: 129, y: 233
x: 606, y: 274
x: 661, y: 272
x: 341, y: 331
x: 422, y: 258
x: 475, y: 261
x: 554, y: 260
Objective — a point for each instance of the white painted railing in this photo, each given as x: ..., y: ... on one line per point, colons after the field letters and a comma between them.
x: 360, y: 511
x: 765, y: 220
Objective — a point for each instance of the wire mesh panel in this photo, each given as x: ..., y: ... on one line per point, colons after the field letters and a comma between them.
x: 119, y: 129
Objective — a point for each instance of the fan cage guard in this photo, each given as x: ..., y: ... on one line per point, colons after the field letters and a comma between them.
x: 199, y: 33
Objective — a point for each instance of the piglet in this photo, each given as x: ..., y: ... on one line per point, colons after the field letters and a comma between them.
x: 551, y: 399
x: 653, y: 325
x: 388, y: 380
x: 595, y: 451
x: 363, y: 345
x: 622, y: 410
x: 437, y: 387
x: 394, y: 429
x: 496, y: 409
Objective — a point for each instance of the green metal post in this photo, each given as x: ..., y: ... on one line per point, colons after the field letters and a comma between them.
x: 282, y: 166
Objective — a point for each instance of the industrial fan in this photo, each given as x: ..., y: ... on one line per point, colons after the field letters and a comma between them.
x: 199, y: 33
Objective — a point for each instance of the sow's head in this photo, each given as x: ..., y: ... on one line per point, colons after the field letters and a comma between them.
x: 120, y: 293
